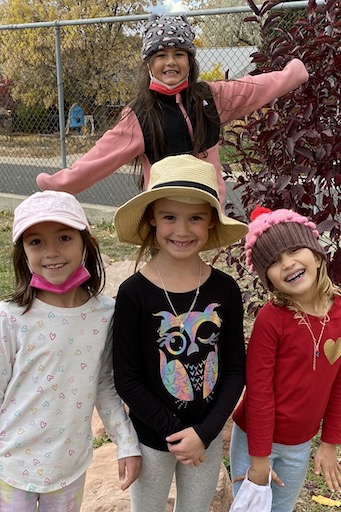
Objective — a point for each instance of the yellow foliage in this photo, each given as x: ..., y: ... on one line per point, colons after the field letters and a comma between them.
x: 100, y: 61
x: 215, y: 74
x: 329, y: 502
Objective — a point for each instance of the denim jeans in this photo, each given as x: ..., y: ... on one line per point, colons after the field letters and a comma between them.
x: 289, y: 462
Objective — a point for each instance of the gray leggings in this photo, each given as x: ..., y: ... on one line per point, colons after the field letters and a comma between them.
x: 195, y: 486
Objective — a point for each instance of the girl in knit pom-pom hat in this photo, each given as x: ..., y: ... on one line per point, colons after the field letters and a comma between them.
x: 173, y: 113
x: 293, y: 379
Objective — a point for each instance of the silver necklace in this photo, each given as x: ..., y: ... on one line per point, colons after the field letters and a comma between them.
x: 304, y: 319
x: 182, y: 322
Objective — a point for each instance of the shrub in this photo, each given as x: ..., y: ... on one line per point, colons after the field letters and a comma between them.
x: 289, y: 154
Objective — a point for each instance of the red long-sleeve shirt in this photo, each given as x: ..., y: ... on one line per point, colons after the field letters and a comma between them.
x: 285, y: 399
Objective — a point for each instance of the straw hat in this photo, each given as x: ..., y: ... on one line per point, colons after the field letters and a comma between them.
x: 178, y: 177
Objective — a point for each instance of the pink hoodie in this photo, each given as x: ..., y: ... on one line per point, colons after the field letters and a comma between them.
x: 124, y: 142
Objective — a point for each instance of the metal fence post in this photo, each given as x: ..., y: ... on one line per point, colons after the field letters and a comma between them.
x: 60, y: 95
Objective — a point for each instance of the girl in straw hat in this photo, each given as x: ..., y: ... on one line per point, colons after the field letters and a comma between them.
x: 173, y: 113
x: 293, y: 362
x: 178, y: 334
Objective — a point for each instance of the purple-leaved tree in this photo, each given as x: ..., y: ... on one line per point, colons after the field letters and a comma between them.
x: 290, y: 153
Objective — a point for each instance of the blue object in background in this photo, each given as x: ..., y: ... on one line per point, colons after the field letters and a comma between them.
x: 76, y: 117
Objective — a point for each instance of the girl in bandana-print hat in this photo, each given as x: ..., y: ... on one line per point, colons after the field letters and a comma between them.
x: 173, y: 112
x: 293, y: 363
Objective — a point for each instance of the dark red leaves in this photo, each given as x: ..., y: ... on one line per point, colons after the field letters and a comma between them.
x: 289, y: 154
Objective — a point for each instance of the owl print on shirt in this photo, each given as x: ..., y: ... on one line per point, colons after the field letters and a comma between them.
x: 189, y: 353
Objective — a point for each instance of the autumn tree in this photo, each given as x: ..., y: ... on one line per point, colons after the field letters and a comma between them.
x: 217, y: 73
x: 99, y: 60
x: 224, y: 30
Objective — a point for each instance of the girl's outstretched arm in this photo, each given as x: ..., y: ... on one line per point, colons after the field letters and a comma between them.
x: 116, y: 147
x: 237, y: 98
x: 325, y: 461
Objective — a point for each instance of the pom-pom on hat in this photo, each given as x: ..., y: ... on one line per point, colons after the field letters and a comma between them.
x: 183, y: 178
x: 49, y: 206
x: 273, y: 232
x: 163, y: 32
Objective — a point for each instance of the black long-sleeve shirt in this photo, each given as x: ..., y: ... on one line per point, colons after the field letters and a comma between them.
x: 171, y: 379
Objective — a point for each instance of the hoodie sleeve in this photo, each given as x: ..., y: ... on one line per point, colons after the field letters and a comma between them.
x: 116, y: 147
x: 237, y: 98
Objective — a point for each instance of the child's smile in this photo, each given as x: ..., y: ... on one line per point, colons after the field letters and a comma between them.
x: 295, y: 273
x: 181, y: 229
x: 170, y: 66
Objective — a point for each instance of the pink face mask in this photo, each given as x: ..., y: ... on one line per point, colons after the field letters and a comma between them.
x: 77, y: 278
x: 170, y: 90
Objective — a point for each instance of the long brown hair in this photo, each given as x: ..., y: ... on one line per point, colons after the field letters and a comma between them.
x: 147, y: 108
x: 24, y: 294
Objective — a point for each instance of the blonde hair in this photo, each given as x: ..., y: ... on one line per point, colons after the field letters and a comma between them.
x: 325, y: 292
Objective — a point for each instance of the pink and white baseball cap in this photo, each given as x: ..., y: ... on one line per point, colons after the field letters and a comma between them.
x: 49, y: 206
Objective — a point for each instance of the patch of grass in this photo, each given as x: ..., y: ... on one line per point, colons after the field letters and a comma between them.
x: 226, y: 462
x: 99, y: 441
x: 6, y: 271
x: 315, y: 486
x: 107, y: 239
x: 227, y: 154
x: 42, y: 146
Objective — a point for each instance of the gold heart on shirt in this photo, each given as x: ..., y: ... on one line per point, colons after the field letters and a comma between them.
x: 332, y: 349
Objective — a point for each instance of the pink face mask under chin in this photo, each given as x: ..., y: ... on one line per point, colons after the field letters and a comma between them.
x: 77, y: 278
x: 169, y: 90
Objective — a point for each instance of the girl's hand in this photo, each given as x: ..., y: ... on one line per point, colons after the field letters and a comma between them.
x: 129, y: 470
x: 325, y: 460
x: 259, y: 472
x: 188, y: 448
x: 261, y: 478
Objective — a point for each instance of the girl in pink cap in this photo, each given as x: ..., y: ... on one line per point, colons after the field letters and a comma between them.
x: 173, y: 113
x: 56, y: 361
x: 293, y: 381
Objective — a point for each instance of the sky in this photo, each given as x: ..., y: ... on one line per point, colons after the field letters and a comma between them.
x: 169, y: 6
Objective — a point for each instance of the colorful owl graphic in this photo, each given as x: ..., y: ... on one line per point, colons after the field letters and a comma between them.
x: 189, y: 354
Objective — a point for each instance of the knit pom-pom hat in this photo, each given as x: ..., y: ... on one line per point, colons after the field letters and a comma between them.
x: 274, y: 232
x: 163, y: 32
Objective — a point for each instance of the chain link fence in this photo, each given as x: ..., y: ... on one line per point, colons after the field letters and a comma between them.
x: 63, y: 84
